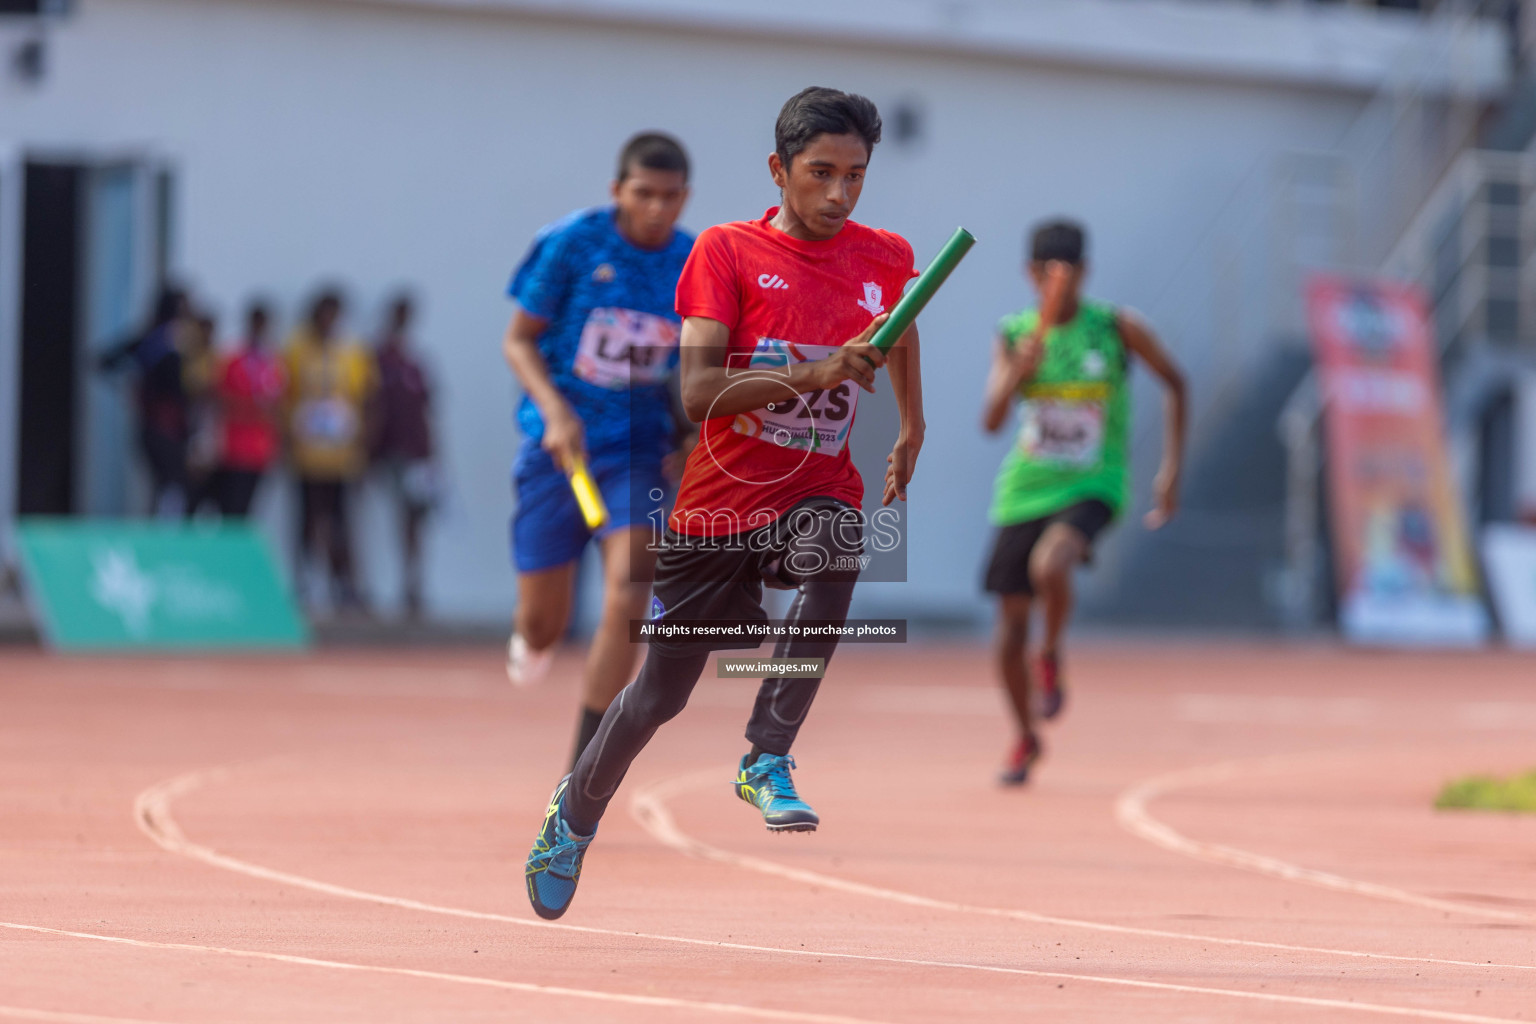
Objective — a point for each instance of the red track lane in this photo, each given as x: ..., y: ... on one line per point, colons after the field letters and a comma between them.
x: 1218, y: 833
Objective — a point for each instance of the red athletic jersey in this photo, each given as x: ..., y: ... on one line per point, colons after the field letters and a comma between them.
x: 785, y: 301
x: 251, y: 389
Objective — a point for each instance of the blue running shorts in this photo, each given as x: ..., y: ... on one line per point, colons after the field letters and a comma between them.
x: 547, y: 528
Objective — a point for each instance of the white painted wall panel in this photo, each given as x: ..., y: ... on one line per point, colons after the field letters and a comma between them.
x: 382, y: 144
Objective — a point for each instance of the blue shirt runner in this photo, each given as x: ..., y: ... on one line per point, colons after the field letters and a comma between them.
x: 612, y: 337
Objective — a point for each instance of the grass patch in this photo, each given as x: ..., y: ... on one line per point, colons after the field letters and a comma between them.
x: 1486, y: 793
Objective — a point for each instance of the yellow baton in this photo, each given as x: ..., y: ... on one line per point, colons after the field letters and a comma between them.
x: 587, y: 495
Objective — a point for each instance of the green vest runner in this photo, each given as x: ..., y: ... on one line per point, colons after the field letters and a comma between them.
x: 1073, y: 420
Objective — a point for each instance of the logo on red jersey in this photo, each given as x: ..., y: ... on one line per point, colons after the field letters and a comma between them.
x: 772, y: 282
x: 871, y: 300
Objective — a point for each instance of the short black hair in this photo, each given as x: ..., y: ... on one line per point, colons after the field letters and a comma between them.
x: 1060, y: 239
x: 328, y: 295
x: 818, y: 110
x: 169, y: 304
x: 656, y: 151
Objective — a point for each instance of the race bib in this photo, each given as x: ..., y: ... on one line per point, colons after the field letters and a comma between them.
x: 622, y: 348
x: 326, y: 422
x: 1060, y: 431
x: 817, y: 420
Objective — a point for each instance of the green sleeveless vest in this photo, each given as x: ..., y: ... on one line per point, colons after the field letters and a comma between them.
x: 1074, y: 419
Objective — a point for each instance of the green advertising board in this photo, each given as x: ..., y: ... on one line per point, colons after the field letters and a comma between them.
x: 99, y: 585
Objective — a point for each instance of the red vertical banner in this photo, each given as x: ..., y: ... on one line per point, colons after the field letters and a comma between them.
x: 1402, y: 558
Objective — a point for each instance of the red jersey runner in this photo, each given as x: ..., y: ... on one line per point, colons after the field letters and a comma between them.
x: 785, y: 300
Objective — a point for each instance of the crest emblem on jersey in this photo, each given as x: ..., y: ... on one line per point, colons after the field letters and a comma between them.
x: 1094, y: 363
x: 603, y: 274
x: 871, y: 300
x: 657, y: 608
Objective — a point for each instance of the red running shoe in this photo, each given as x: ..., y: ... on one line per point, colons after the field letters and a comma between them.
x: 1023, y: 758
x: 1048, y: 680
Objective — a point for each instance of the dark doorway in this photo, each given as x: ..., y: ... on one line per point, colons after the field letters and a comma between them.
x: 50, y: 259
x: 1496, y: 461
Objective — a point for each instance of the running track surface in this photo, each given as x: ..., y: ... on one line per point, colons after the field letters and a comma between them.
x: 1218, y: 833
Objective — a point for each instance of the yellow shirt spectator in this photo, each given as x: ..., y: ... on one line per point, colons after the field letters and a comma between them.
x: 330, y: 385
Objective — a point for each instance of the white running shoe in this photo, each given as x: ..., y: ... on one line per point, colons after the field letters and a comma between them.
x: 526, y: 666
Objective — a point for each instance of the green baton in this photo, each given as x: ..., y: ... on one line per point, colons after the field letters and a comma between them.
x: 926, y: 285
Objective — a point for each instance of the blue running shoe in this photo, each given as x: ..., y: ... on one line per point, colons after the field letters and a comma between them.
x: 767, y: 785
x: 554, y: 864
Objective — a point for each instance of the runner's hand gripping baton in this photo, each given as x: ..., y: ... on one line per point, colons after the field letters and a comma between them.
x: 926, y: 285
x: 587, y: 495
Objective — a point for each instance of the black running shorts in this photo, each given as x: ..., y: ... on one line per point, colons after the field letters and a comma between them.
x: 1008, y: 568
x: 721, y: 579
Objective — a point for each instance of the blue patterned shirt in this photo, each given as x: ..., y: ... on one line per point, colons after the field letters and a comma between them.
x: 612, y: 337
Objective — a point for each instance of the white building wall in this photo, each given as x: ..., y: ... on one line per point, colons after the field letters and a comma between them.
x: 380, y: 144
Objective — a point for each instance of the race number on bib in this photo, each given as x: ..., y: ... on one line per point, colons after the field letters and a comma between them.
x: 622, y: 348
x: 326, y: 422
x: 1068, y: 433
x: 817, y: 420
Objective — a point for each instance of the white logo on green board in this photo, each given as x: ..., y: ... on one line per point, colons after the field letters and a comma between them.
x: 121, y: 587
x: 178, y: 591
x: 108, y: 585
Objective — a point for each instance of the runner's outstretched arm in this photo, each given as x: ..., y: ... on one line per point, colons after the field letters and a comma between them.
x: 711, y: 389
x: 907, y: 381
x: 1165, y: 487
x: 563, y: 431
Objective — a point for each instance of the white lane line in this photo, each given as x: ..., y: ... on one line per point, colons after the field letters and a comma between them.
x: 648, y: 806
x: 1497, y: 715
x: 152, y: 812
x: 728, y: 1008
x: 626, y: 998
x: 1239, y: 709
x: 61, y: 1017
x: 1132, y: 814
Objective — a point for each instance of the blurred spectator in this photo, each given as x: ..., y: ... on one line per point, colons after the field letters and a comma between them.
x: 199, y: 363
x: 162, y: 400
x: 403, y: 444
x: 249, y: 389
x: 331, y: 384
